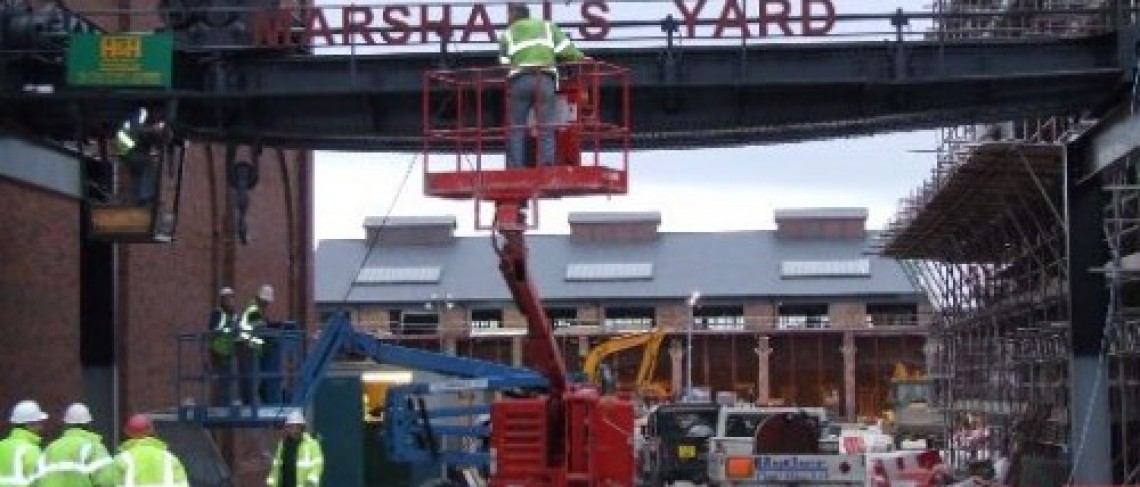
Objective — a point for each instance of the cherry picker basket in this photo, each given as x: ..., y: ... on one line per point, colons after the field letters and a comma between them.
x: 466, y: 126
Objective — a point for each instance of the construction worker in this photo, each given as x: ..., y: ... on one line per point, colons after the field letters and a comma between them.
x: 144, y: 459
x: 532, y: 48
x: 77, y: 458
x: 224, y: 334
x: 136, y: 142
x: 250, y: 346
x: 299, y: 461
x: 20, y: 451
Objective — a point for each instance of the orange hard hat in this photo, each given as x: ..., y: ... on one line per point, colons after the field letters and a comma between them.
x: 138, y: 426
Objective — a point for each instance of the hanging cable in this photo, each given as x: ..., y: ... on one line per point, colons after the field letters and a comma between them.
x: 375, y: 237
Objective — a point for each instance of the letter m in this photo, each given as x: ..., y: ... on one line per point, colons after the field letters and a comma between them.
x: 273, y: 27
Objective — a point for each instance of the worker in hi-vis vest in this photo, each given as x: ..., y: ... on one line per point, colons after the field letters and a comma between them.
x: 136, y: 143
x: 298, y: 461
x: 146, y: 460
x: 78, y: 457
x: 532, y: 49
x: 224, y: 337
x: 20, y: 451
x: 252, y: 318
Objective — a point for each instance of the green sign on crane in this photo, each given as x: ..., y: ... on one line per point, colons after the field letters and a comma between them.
x: 142, y: 60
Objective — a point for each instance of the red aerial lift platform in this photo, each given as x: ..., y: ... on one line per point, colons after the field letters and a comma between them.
x: 572, y: 435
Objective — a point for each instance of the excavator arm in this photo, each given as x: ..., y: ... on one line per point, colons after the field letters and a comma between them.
x: 649, y: 361
x: 591, y: 365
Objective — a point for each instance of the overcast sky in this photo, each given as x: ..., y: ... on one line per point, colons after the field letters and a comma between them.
x: 694, y: 190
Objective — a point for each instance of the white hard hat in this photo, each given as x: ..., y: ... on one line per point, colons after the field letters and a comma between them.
x: 77, y: 414
x: 226, y: 291
x: 295, y: 417
x: 266, y: 293
x: 27, y: 412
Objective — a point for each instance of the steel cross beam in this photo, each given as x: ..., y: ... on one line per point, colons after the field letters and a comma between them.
x: 688, y: 97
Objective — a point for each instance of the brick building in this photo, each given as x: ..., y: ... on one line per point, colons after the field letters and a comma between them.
x: 797, y: 315
x: 96, y: 320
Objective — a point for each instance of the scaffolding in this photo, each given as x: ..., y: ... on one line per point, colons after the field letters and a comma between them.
x: 1122, y: 336
x: 986, y: 237
x: 995, y: 19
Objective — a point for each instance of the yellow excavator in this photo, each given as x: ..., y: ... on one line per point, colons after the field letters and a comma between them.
x: 643, y: 383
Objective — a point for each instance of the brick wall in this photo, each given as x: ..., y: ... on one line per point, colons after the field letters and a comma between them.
x: 39, y: 297
x: 760, y: 314
x: 827, y: 228
x: 168, y: 289
x: 673, y: 316
x: 847, y: 314
x: 165, y: 289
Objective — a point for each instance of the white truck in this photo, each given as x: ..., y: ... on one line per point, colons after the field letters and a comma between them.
x: 735, y: 460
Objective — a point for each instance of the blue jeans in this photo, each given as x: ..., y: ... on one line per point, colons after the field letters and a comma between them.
x: 144, y: 176
x: 527, y: 91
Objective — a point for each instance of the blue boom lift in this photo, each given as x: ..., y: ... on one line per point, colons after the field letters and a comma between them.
x: 412, y: 433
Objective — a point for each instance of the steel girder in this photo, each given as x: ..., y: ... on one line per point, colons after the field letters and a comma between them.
x: 688, y: 97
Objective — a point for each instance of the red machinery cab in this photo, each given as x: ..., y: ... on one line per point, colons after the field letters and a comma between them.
x: 466, y: 127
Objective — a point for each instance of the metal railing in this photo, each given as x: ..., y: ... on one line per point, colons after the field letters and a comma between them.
x: 742, y: 324
x: 245, y: 380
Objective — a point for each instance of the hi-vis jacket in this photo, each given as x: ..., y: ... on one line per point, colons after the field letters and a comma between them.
x: 535, y: 43
x: 76, y: 459
x: 226, y: 330
x: 145, y: 462
x: 130, y: 132
x: 19, y: 458
x: 310, y: 464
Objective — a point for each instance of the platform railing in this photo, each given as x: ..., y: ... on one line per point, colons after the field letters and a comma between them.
x: 245, y: 387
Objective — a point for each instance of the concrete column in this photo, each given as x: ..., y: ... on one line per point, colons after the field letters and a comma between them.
x: 449, y: 345
x: 848, y: 351
x: 517, y: 351
x: 763, y: 379
x: 583, y: 347
x: 676, y: 367
x: 929, y: 354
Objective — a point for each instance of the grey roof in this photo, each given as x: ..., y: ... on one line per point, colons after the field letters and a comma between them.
x: 614, y: 217
x: 723, y: 264
x: 409, y: 221
x: 806, y: 213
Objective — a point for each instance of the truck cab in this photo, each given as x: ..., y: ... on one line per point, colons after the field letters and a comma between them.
x: 676, y: 443
x: 914, y: 418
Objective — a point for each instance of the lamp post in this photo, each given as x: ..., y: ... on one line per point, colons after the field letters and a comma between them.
x: 694, y: 300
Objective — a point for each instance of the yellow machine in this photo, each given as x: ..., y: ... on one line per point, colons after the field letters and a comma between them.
x: 652, y: 340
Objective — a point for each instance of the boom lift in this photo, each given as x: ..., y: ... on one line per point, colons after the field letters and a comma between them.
x: 413, y: 434
x: 571, y: 435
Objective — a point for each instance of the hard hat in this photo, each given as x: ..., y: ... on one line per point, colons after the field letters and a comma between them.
x: 138, y: 426
x: 295, y: 417
x: 266, y: 293
x: 226, y: 291
x: 77, y: 414
x: 27, y: 411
